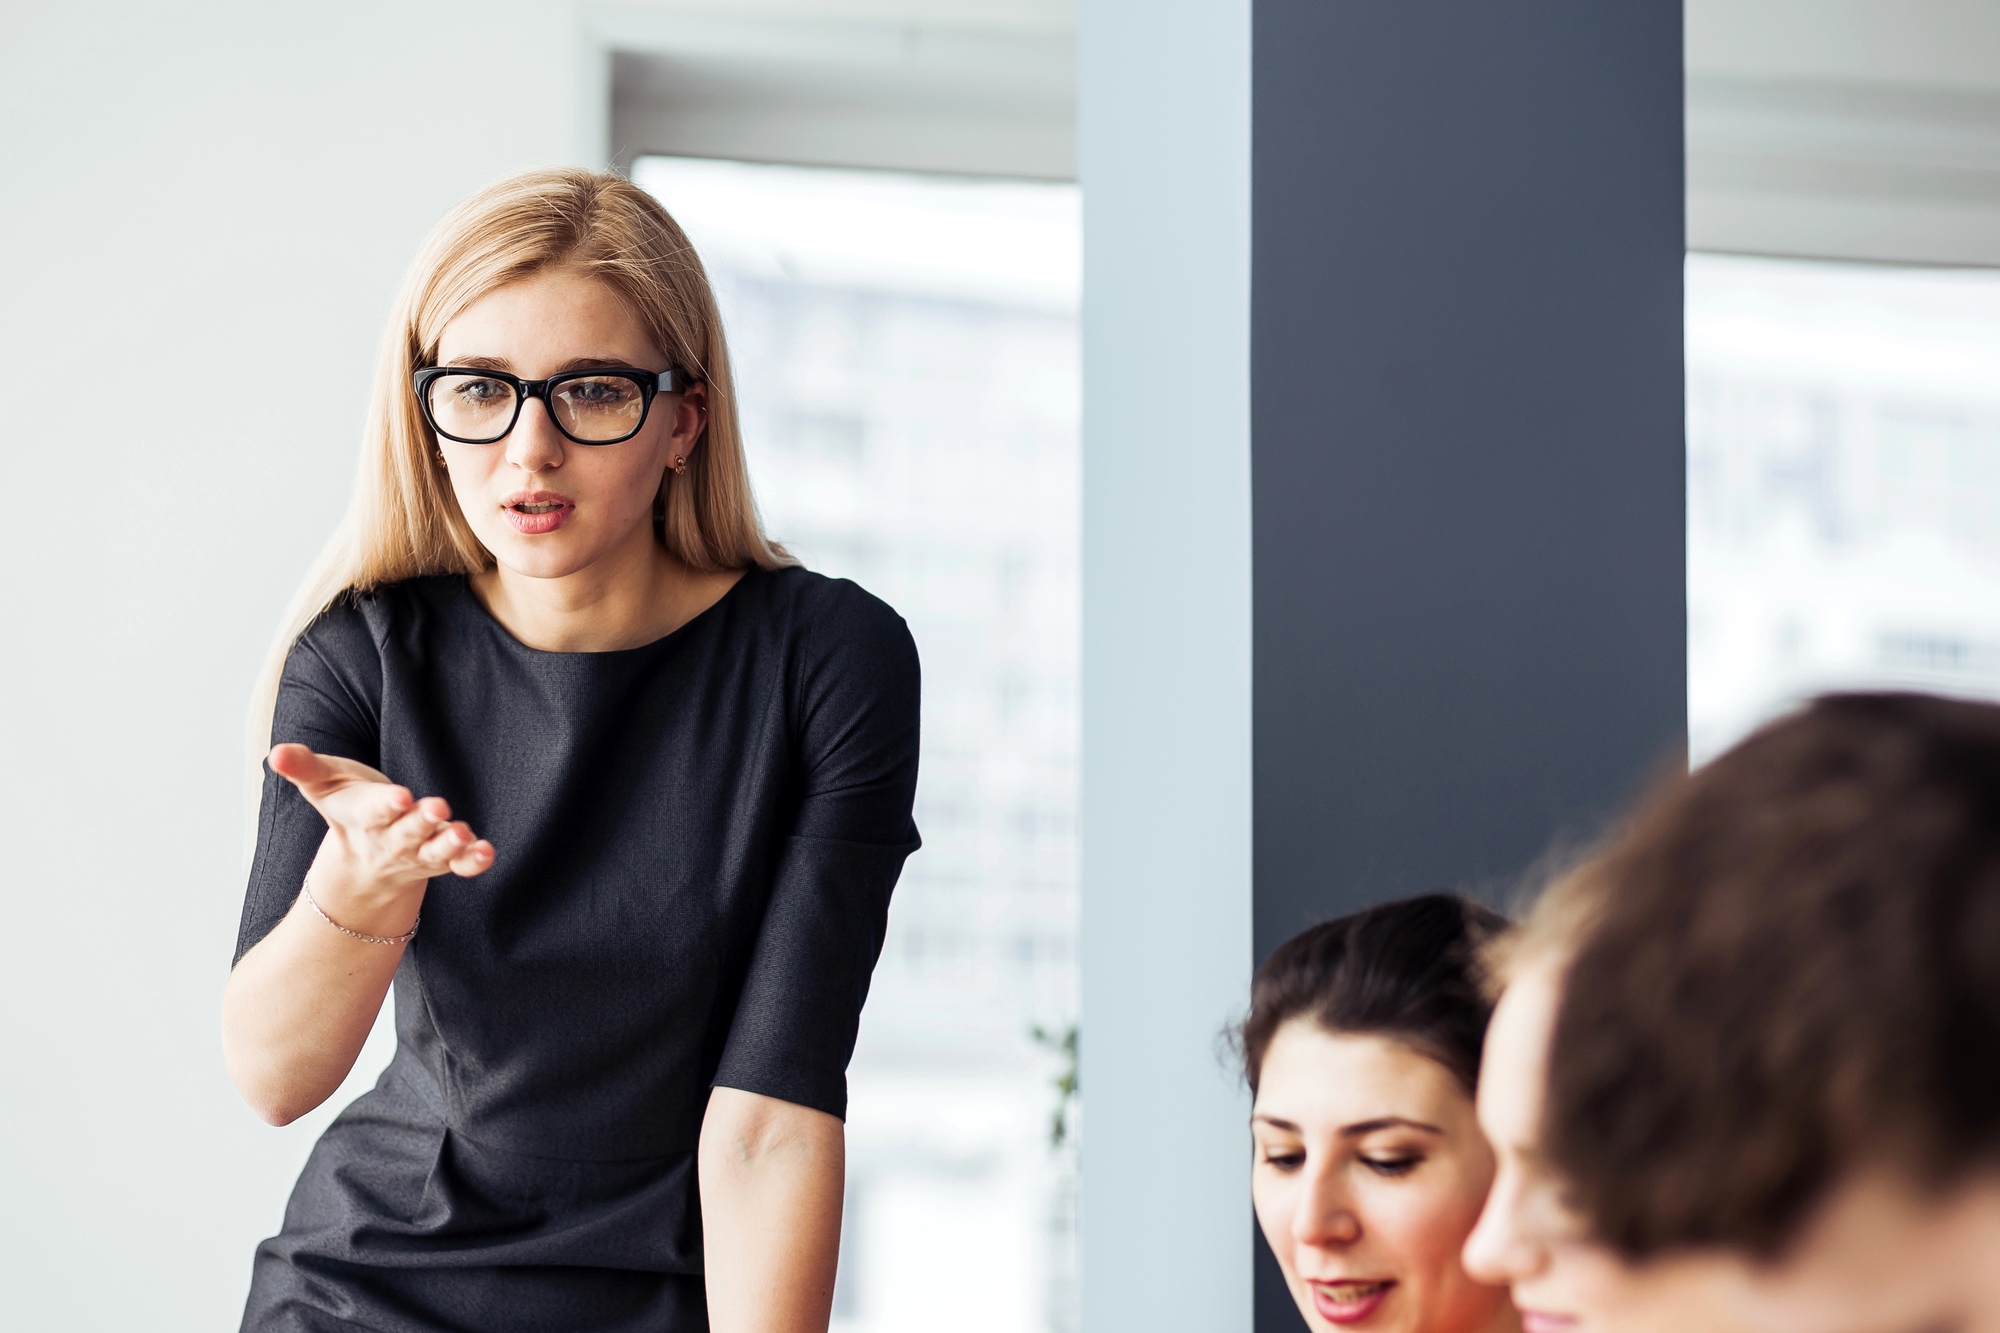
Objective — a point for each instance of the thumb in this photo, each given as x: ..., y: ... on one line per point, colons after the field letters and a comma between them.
x: 298, y: 763
x: 316, y: 775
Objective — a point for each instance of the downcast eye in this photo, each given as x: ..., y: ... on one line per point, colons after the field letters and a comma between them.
x: 1391, y: 1166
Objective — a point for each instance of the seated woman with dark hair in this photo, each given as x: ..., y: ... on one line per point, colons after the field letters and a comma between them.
x: 1362, y: 1049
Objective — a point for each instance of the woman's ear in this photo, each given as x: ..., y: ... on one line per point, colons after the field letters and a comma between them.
x: 690, y: 418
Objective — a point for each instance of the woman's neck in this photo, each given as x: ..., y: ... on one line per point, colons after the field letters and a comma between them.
x: 627, y: 599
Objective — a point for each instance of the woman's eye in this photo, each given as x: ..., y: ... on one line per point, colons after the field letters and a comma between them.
x: 1284, y: 1159
x: 481, y: 391
x: 1391, y: 1166
x: 598, y: 393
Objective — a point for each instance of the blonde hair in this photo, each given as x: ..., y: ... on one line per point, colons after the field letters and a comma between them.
x: 404, y: 521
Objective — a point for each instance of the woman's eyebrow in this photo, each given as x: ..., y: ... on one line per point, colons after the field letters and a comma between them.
x: 501, y: 363
x: 1274, y: 1123
x: 1360, y: 1128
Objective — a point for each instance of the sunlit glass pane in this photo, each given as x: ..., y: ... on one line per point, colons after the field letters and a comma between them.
x: 602, y: 407
x: 1843, y: 485
x: 906, y: 349
x: 471, y: 407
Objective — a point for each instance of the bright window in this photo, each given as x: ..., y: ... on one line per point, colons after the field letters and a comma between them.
x: 1843, y: 485
x: 906, y: 357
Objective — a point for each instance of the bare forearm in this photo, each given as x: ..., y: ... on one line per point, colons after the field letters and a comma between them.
x: 296, y: 1011
x: 300, y: 1004
x: 772, y: 1175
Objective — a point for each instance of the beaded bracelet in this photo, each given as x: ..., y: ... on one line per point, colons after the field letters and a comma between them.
x: 305, y: 891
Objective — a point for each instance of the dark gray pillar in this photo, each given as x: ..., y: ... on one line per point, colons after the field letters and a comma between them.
x: 1467, y: 467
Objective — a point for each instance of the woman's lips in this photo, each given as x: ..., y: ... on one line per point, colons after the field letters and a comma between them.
x: 1350, y: 1302
x: 537, y: 512
x: 1541, y: 1321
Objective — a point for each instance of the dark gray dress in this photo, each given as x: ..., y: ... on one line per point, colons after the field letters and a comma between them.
x: 696, y: 844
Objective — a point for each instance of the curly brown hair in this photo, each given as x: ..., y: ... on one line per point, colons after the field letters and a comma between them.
x: 1795, y: 970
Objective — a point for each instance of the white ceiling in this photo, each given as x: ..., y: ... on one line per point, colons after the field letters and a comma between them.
x: 1859, y: 129
x: 981, y: 87
x: 1939, y: 45
x: 1864, y: 129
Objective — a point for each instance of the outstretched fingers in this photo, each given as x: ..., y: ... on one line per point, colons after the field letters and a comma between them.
x: 419, y: 834
x: 404, y: 835
x: 474, y: 860
x: 456, y: 850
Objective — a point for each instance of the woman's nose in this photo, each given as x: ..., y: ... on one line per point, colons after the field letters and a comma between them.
x: 1326, y: 1215
x: 535, y: 445
x: 1498, y: 1251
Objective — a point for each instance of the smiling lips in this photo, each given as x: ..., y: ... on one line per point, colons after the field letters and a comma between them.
x: 536, y: 512
x: 1349, y: 1302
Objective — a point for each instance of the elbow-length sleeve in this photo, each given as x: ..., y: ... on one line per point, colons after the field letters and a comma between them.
x: 328, y: 699
x: 856, y: 737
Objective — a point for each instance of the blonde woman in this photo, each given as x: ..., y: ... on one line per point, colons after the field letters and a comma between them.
x: 609, y: 789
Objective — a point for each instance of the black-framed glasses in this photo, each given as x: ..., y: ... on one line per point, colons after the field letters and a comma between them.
x: 599, y: 406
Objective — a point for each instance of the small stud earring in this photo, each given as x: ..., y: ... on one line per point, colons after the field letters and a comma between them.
x: 680, y: 464
x: 440, y: 458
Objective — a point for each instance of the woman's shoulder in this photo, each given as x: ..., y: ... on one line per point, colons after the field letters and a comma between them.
x: 851, y: 661
x: 357, y: 623
x: 826, y: 612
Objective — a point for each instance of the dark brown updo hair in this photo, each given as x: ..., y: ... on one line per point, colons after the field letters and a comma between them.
x: 1405, y: 970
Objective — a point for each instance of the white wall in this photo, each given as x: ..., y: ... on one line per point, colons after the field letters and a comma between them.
x: 205, y: 210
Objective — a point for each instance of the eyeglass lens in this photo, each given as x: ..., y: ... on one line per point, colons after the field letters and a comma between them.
x: 479, y: 409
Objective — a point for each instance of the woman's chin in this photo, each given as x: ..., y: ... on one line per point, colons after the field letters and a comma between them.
x: 551, y: 555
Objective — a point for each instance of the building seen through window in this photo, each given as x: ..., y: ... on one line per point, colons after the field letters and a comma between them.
x: 1843, y: 485
x: 906, y: 357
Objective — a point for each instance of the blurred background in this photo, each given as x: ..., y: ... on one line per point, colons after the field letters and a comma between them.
x: 1843, y: 345
x: 202, y: 197
x: 1843, y: 484
x: 906, y: 352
